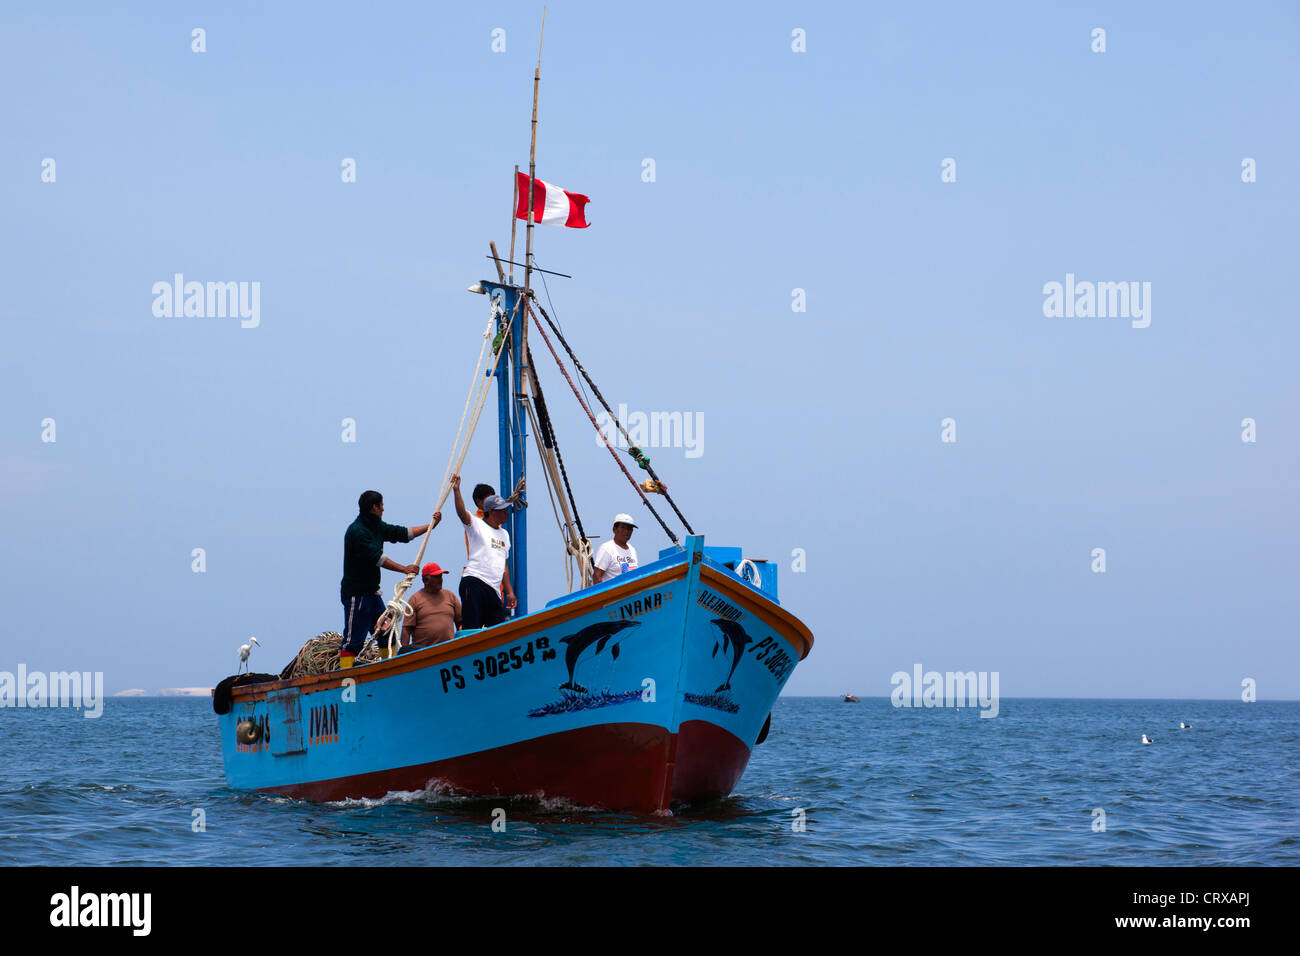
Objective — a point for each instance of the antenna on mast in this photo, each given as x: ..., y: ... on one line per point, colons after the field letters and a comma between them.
x: 532, y: 163
x: 514, y: 219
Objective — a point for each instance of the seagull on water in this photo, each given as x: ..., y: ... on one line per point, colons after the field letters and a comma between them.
x: 246, y: 649
x: 1145, y: 740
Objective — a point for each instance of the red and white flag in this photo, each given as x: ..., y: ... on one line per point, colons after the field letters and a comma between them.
x: 552, y: 206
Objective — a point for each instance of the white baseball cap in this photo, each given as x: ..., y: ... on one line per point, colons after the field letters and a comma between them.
x: 623, y: 519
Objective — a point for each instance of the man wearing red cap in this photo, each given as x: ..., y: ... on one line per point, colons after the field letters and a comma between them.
x: 435, y: 612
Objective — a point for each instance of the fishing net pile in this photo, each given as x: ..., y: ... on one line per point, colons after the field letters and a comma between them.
x: 320, y: 655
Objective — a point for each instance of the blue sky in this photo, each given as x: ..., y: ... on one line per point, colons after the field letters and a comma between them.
x: 775, y: 171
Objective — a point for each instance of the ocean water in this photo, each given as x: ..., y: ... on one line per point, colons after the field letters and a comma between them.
x: 870, y: 784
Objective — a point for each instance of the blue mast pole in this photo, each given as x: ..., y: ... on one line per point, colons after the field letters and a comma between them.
x: 519, y: 461
x: 512, y: 419
x: 504, y: 299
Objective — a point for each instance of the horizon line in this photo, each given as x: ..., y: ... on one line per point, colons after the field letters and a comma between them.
x: 840, y: 697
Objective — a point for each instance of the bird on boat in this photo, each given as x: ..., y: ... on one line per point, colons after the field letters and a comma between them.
x: 1146, y: 740
x: 734, y: 635
x: 246, y: 649
x: 1183, y: 726
x: 597, y: 634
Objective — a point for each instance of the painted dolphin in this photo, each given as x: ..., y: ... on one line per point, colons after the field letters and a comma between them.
x: 596, y: 634
x: 735, y: 638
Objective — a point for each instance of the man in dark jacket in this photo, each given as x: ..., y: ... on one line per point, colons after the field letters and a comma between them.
x: 363, y: 556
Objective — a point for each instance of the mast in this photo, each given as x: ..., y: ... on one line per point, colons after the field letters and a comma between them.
x: 512, y: 417
x: 532, y: 163
x: 513, y: 374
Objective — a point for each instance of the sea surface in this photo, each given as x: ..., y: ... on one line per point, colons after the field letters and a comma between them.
x: 835, y: 784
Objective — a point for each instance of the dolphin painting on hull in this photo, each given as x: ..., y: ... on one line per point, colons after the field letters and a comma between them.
x: 734, y: 639
x: 597, y: 634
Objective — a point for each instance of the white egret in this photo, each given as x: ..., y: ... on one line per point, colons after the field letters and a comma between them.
x: 246, y: 649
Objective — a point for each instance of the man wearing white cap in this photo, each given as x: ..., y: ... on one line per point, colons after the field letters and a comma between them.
x: 616, y: 557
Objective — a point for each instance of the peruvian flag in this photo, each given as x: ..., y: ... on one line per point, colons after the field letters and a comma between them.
x: 552, y: 206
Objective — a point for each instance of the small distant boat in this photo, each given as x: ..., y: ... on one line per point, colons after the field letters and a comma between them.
x: 850, y: 699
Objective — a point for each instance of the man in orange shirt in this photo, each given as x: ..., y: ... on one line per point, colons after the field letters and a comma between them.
x: 435, y: 612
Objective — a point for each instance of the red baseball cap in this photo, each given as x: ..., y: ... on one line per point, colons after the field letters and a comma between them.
x: 431, y: 568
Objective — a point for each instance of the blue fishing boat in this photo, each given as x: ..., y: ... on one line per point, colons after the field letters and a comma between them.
x: 633, y: 695
x: 646, y: 690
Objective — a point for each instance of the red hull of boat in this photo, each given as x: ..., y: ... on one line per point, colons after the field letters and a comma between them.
x: 625, y: 766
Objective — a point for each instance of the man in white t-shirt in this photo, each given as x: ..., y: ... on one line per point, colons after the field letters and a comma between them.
x: 616, y: 557
x: 487, y: 576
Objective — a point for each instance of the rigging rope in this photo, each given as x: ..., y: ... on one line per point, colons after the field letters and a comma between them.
x: 560, y: 325
x: 667, y: 530
x: 516, y: 497
x: 548, y: 437
x: 635, y: 452
x: 398, y: 609
x: 579, y: 548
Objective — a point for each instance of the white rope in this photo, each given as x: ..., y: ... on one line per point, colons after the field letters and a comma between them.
x: 398, y: 609
x: 574, y: 546
x: 550, y: 493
